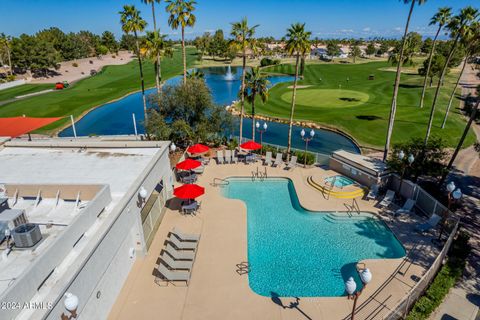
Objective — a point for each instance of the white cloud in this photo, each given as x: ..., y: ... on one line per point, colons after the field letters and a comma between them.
x: 398, y: 29
x: 366, y: 29
x: 346, y: 31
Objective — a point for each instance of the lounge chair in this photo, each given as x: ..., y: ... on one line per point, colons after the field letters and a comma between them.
x: 430, y: 224
x: 182, y: 245
x: 191, y: 207
x: 268, y: 159
x: 388, y: 199
x: 234, y: 157
x: 407, y: 207
x: 278, y: 160
x: 292, y: 163
x: 190, y: 178
x: 373, y: 192
x: 174, y: 264
x: 178, y: 254
x: 199, y: 170
x: 171, y: 276
x: 220, y: 159
x: 185, y: 236
x: 228, y: 156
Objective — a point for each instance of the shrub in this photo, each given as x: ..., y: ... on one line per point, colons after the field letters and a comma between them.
x: 269, y: 62
x: 301, y: 157
x: 75, y: 64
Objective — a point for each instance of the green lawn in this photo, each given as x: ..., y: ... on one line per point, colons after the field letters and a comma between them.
x: 112, y: 83
x: 11, y: 93
x: 360, y: 106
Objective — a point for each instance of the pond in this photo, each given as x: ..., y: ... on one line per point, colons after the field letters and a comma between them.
x: 115, y: 118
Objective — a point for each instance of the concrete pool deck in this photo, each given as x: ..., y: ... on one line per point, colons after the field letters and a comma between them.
x: 216, y: 291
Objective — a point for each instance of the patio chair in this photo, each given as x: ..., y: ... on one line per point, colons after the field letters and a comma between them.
x: 430, y: 224
x: 268, y: 158
x: 191, y: 207
x: 278, y: 160
x: 179, y: 255
x: 292, y: 163
x: 190, y: 178
x: 373, y: 192
x: 172, y: 276
x: 199, y: 170
x: 228, y: 156
x: 185, y: 236
x: 388, y: 199
x: 182, y: 245
x: 220, y: 159
x: 407, y: 207
x: 174, y: 264
x: 234, y: 157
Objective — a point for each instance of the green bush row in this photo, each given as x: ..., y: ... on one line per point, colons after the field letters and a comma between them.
x: 269, y: 62
x: 299, y: 154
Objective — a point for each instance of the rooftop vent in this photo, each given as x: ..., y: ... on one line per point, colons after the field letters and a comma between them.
x: 26, y: 235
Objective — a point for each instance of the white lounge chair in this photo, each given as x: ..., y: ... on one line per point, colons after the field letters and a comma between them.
x: 179, y: 255
x: 220, y: 159
x: 407, y: 207
x: 430, y: 224
x: 174, y: 264
x: 388, y: 199
x: 185, y: 236
x: 278, y: 160
x: 268, y: 158
x: 171, y: 276
x: 228, y: 156
x: 182, y: 245
x: 373, y: 192
x: 292, y: 163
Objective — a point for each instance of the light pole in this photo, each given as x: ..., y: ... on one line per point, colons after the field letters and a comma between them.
x: 261, y: 132
x: 454, y: 194
x: 173, y: 147
x: 351, y: 287
x: 410, y: 159
x: 307, y: 140
x: 71, y: 304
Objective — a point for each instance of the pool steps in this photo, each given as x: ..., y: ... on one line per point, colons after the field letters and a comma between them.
x: 358, y: 192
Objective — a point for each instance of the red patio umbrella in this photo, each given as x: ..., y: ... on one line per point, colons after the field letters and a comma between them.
x: 188, y: 164
x: 189, y: 191
x: 197, y: 148
x: 251, y: 145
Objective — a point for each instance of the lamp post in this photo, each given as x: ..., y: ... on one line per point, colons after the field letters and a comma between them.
x: 351, y: 287
x: 261, y: 132
x: 307, y: 140
x: 410, y: 159
x: 454, y: 194
x: 71, y: 304
x: 173, y: 147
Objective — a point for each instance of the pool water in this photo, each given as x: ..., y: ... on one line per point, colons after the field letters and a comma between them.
x: 293, y: 252
x: 340, y: 181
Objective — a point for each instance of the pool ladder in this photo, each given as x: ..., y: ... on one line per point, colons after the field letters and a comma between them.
x: 326, y: 193
x: 220, y: 182
x: 353, y: 208
x: 259, y: 175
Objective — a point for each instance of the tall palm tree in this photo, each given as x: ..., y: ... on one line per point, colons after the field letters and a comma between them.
x: 393, y: 108
x: 442, y: 17
x: 242, y: 40
x: 156, y: 47
x: 181, y: 16
x: 256, y: 84
x: 158, y: 64
x: 132, y: 22
x: 458, y: 25
x: 471, y: 41
x: 196, y: 74
x: 298, y: 44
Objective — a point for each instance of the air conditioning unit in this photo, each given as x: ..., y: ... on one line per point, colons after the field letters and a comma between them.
x: 26, y: 235
x: 10, y: 219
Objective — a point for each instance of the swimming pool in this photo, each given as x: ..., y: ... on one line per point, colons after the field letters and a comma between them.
x: 340, y: 181
x: 293, y: 252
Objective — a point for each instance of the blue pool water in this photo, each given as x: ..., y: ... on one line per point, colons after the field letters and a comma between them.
x: 340, y: 181
x: 293, y: 252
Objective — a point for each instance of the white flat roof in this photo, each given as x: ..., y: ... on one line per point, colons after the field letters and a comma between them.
x: 369, y: 164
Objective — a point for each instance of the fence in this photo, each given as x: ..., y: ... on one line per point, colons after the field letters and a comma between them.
x: 401, y: 310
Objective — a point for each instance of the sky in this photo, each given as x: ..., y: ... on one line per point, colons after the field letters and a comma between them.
x: 325, y: 19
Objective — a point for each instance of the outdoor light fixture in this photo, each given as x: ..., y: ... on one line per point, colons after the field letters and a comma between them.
x: 408, y: 163
x: 351, y: 287
x: 401, y: 155
x: 411, y: 158
x: 173, y: 147
x: 307, y: 140
x: 71, y: 304
x: 261, y: 131
x: 143, y: 193
x: 457, y: 194
x: 451, y: 186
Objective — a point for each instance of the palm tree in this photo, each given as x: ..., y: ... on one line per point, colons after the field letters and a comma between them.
x: 458, y: 25
x: 133, y: 22
x: 156, y: 47
x: 181, y: 16
x: 442, y: 17
x: 242, y: 40
x: 393, y: 108
x: 255, y: 84
x: 158, y: 65
x: 298, y: 44
x: 195, y: 74
x: 5, y: 42
x: 471, y: 41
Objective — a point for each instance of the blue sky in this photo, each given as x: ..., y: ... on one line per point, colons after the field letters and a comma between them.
x: 326, y: 19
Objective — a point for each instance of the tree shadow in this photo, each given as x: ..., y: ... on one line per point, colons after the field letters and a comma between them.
x: 368, y: 117
x: 349, y: 99
x: 410, y: 86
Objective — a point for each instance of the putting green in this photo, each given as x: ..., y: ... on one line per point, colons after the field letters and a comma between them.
x: 328, y: 98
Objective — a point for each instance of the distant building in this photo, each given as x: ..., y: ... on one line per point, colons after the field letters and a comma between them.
x: 79, y: 211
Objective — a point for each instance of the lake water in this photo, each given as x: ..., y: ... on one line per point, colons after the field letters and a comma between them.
x: 115, y: 118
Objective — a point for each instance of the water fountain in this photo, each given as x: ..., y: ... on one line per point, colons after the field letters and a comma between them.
x: 229, y: 76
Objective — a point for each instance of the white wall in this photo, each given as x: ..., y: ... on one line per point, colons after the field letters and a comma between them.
x: 12, y: 84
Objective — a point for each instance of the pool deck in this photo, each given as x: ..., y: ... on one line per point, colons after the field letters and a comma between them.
x: 216, y: 291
